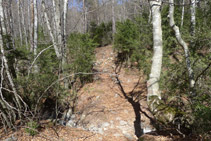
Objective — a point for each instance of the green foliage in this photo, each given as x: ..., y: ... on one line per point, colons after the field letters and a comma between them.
x: 31, y: 128
x: 81, y: 54
x: 101, y: 34
x: 133, y: 42
x: 174, y: 78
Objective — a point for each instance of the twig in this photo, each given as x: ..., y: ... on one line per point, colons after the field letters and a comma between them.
x: 29, y: 70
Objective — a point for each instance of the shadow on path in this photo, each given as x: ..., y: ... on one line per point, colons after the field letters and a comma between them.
x: 136, y: 107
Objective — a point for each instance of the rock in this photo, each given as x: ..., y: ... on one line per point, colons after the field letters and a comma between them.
x: 118, y: 118
x: 116, y: 135
x: 12, y: 138
x: 105, y: 124
x: 97, y: 97
x: 122, y: 122
x: 129, y: 137
x: 71, y: 123
x: 116, y: 95
x: 100, y: 131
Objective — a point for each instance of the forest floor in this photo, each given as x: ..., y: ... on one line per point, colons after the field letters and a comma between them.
x: 111, y: 108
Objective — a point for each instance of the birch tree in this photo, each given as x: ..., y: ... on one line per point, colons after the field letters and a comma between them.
x: 17, y: 98
x: 154, y: 77
x: 58, y: 54
x: 113, y: 19
x: 193, y: 16
x: 85, y: 16
x: 65, y: 22
x: 183, y: 12
x: 35, y: 33
x: 19, y: 22
x: 184, y: 45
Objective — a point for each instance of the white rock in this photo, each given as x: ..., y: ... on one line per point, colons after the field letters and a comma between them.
x: 122, y: 122
x: 106, y: 124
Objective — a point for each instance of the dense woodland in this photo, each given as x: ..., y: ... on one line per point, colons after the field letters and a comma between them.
x: 48, y: 55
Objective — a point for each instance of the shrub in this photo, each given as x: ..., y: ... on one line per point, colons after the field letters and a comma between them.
x: 132, y: 43
x: 31, y: 128
x: 81, y: 54
x: 101, y: 34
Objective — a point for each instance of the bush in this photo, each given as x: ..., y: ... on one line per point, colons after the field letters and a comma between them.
x: 32, y: 128
x: 81, y: 54
x: 132, y: 43
x: 101, y: 34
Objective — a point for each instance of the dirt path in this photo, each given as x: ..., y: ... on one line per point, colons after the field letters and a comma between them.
x: 108, y: 109
x: 111, y: 104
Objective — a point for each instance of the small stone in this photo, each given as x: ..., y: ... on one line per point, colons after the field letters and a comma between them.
x: 118, y: 118
x: 12, y: 138
x: 126, y: 111
x: 100, y: 131
x: 97, y: 97
x: 106, y: 124
x: 71, y: 123
x: 122, y: 122
x: 116, y: 135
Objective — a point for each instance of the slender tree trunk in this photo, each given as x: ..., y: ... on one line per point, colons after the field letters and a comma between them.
x: 32, y: 26
x: 150, y: 16
x: 154, y: 77
x: 35, y: 34
x: 10, y: 16
x: 19, y: 22
x: 183, y: 12
x: 5, y: 62
x: 58, y: 24
x: 64, y: 26
x: 58, y: 54
x: 23, y: 22
x: 54, y: 20
x: 184, y: 45
x: 85, y: 16
x: 113, y: 19
x: 193, y: 16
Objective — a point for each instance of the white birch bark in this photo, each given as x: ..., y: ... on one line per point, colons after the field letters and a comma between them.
x: 113, y: 19
x: 54, y: 19
x: 85, y: 16
x: 154, y: 77
x: 19, y: 22
x: 193, y: 16
x: 35, y: 34
x: 23, y: 22
x: 32, y: 25
x: 183, y: 12
x: 58, y: 23
x: 3, y: 32
x: 2, y: 17
x: 65, y: 23
x: 58, y: 54
x: 184, y: 45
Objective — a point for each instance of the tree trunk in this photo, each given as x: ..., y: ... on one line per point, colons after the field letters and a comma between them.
x: 183, y: 12
x: 58, y: 54
x: 32, y: 26
x: 193, y: 16
x: 5, y: 62
x: 113, y: 19
x: 23, y: 23
x: 184, y: 45
x: 85, y: 16
x: 64, y: 27
x: 154, y: 77
x: 35, y: 34
x: 19, y: 22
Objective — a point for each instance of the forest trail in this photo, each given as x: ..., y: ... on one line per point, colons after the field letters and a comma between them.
x: 111, y: 104
x: 107, y: 109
